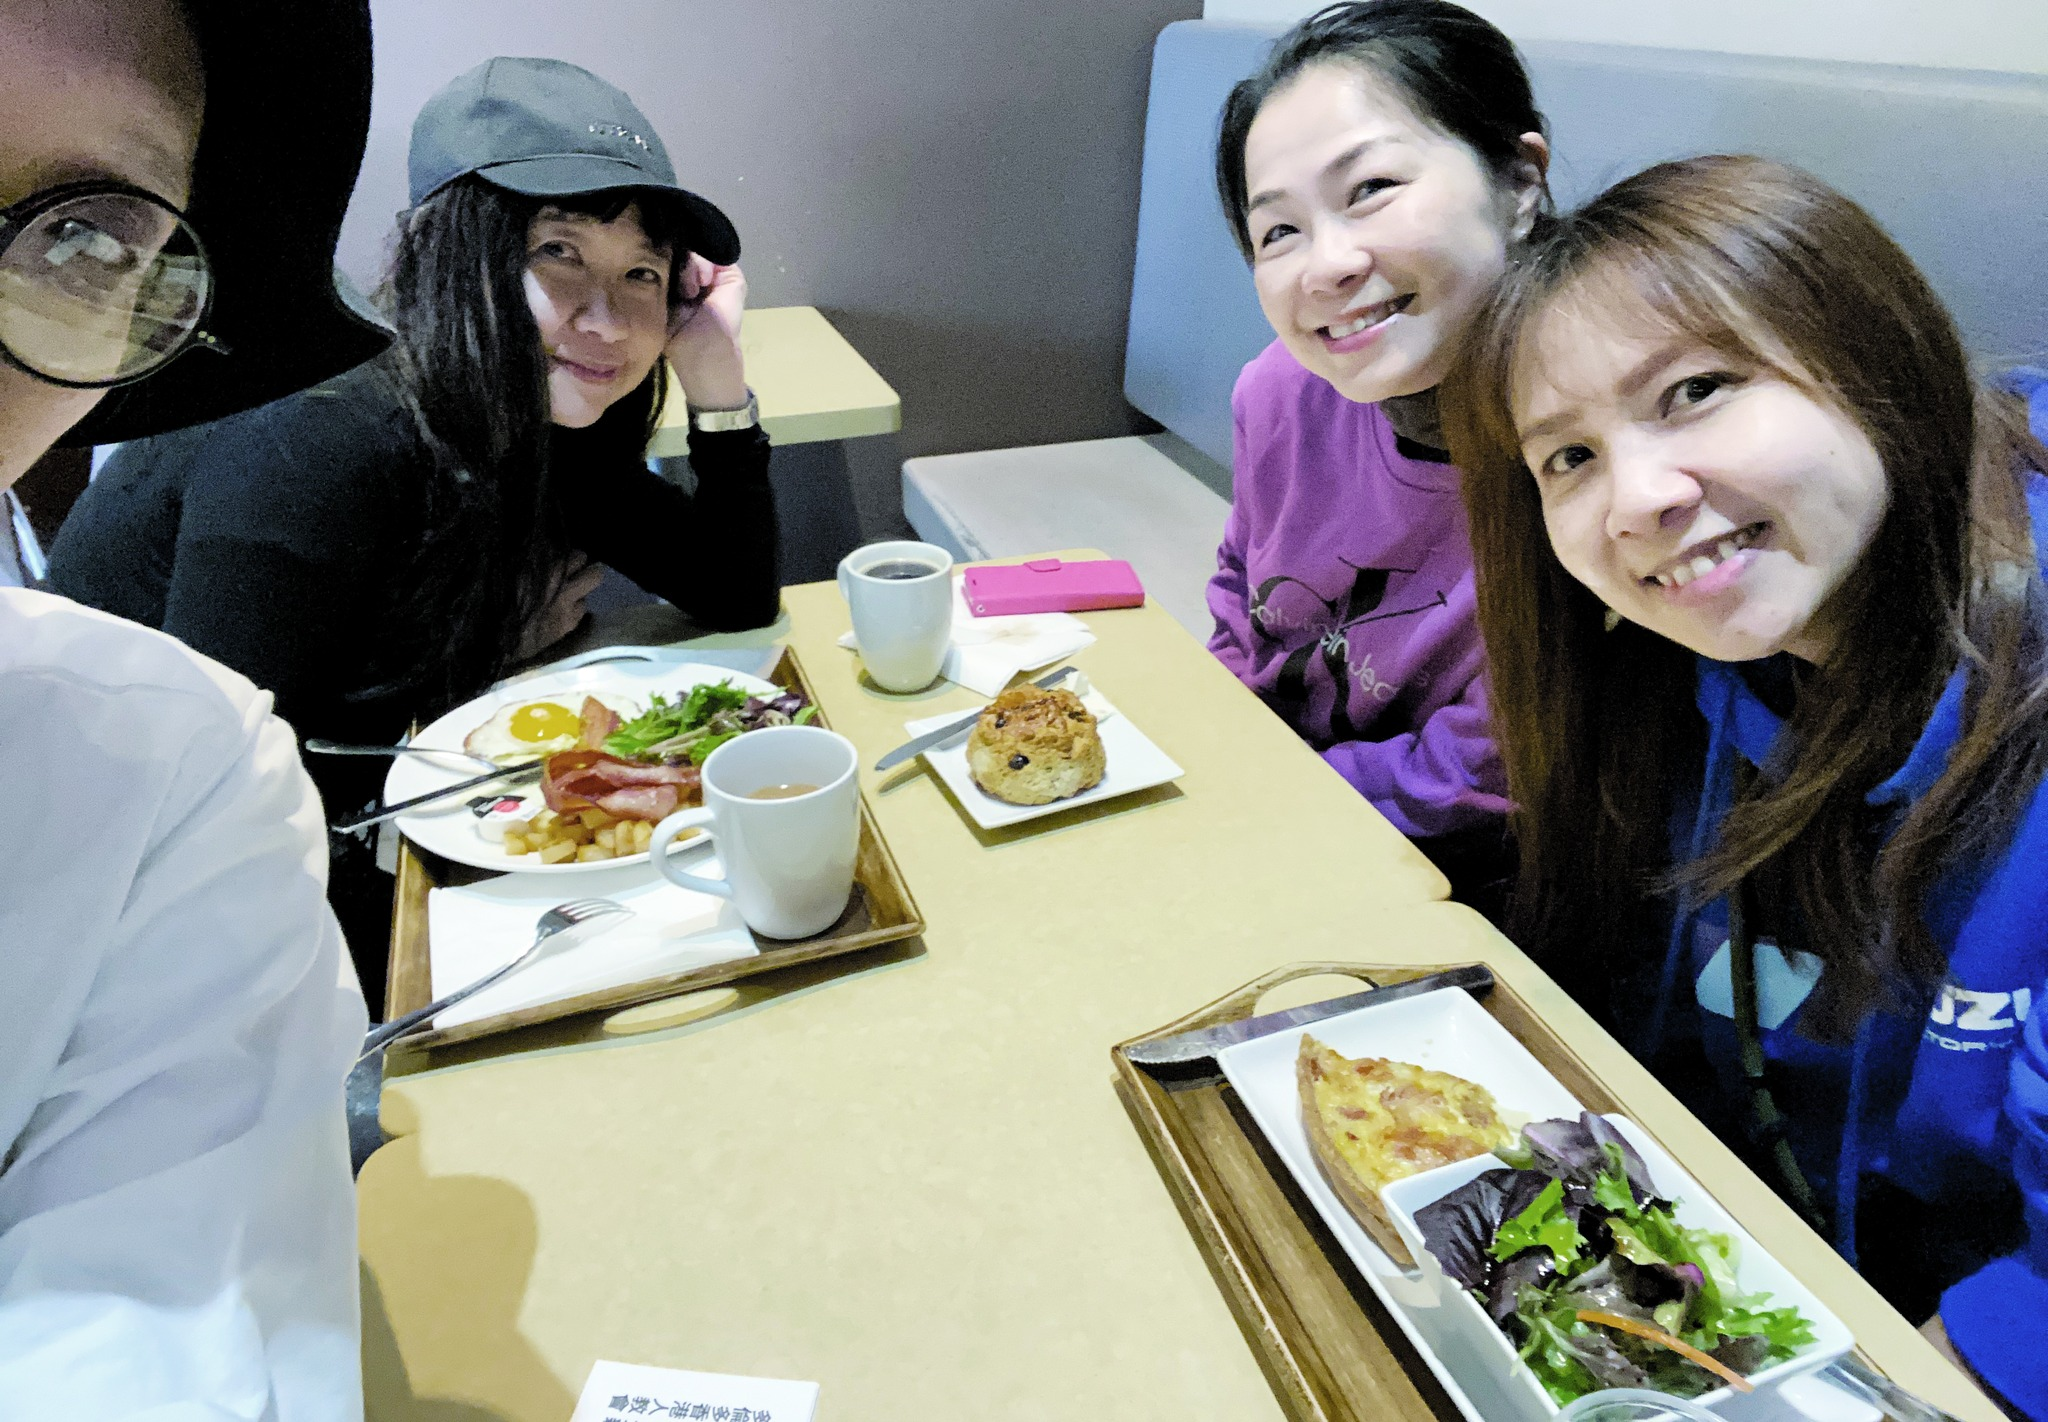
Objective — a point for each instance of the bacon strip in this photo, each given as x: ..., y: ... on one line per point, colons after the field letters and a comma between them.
x: 590, y: 779
x: 599, y: 721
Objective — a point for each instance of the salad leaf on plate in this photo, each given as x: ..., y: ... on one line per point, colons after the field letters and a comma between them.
x: 706, y: 717
x: 1544, y: 1225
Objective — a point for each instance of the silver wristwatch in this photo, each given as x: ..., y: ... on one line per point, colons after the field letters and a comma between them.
x: 722, y: 421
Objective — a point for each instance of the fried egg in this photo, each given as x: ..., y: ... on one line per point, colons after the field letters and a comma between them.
x: 516, y: 733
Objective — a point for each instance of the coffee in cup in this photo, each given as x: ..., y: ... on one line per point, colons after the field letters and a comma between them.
x: 783, y: 806
x: 901, y: 596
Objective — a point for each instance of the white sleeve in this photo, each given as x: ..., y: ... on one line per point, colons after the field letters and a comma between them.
x: 177, y: 1219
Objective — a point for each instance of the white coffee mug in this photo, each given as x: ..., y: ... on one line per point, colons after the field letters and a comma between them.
x: 901, y: 597
x: 788, y: 859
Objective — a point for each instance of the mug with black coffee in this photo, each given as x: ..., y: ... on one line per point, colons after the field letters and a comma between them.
x: 901, y: 597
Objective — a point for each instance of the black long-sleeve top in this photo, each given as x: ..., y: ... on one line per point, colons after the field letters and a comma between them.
x: 278, y: 542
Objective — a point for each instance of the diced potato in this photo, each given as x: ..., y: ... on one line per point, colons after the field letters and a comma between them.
x: 546, y: 819
x: 558, y: 852
x: 606, y: 837
x: 643, y: 836
x: 594, y: 818
x: 591, y: 852
x: 515, y: 843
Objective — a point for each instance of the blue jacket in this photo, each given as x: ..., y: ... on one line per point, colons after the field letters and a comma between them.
x: 1938, y: 1102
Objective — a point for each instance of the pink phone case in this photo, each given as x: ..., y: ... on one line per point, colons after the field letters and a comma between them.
x: 1048, y: 585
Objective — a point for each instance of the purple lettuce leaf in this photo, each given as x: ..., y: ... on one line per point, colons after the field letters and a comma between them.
x: 1459, y: 1228
x: 1578, y: 1152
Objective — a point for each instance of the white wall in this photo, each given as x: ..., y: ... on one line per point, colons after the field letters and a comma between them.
x: 1954, y: 34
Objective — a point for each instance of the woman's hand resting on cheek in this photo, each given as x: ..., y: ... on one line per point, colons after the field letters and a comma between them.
x: 704, y: 336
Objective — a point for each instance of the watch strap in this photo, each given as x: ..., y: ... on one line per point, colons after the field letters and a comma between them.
x: 746, y: 417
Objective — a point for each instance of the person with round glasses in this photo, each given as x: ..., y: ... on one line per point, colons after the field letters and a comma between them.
x: 101, y: 284
x: 177, y: 1223
x: 388, y: 543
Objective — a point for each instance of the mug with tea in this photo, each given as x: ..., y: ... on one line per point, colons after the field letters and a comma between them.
x: 901, y: 597
x: 783, y: 805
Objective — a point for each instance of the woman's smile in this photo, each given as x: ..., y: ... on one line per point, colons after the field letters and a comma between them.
x: 1360, y: 327
x: 1711, y: 565
x: 591, y: 372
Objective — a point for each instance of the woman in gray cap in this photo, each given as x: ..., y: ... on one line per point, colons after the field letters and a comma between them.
x: 177, y: 1227
x: 387, y: 544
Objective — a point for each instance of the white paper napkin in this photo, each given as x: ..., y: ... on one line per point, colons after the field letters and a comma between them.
x: 476, y: 929
x: 988, y: 651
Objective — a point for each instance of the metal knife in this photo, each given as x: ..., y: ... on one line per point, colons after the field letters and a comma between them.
x: 1204, y: 1042
x: 510, y: 774
x: 953, y: 728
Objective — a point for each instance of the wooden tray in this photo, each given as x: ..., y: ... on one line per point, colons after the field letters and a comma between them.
x: 881, y: 911
x: 1329, y: 1347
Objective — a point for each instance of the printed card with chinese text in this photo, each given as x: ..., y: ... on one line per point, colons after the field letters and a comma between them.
x: 623, y: 1392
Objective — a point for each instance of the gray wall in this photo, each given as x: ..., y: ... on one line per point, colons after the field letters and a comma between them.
x: 954, y: 184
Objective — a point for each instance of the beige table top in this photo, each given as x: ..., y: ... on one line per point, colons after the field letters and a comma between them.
x: 910, y: 1179
x: 812, y: 384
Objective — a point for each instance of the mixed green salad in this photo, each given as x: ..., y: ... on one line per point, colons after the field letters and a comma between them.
x: 1573, y: 1255
x: 685, y: 731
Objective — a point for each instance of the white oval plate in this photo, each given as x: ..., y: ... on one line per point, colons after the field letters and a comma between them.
x: 451, y: 831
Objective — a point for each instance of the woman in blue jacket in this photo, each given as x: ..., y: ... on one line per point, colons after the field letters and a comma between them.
x: 1759, y: 584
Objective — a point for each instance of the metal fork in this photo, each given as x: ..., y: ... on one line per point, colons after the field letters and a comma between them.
x: 556, y: 920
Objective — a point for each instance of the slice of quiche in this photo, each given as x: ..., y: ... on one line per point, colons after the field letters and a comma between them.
x: 1373, y: 1121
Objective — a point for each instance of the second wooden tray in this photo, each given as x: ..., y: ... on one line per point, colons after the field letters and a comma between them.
x: 880, y: 911
x: 1328, y: 1346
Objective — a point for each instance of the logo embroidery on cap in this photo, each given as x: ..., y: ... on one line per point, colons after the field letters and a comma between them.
x: 612, y: 130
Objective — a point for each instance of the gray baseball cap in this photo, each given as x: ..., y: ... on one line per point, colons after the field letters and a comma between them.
x: 546, y: 128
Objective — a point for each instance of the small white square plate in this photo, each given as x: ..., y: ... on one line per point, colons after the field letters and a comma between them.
x: 1131, y: 763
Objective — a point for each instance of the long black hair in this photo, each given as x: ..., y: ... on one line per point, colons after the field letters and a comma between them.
x: 1454, y: 69
x: 469, y: 369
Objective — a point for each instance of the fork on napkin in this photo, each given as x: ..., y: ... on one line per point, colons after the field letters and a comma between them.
x: 481, y: 927
x: 986, y: 652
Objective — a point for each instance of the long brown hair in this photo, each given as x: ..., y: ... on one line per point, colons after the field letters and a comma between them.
x: 1598, y: 729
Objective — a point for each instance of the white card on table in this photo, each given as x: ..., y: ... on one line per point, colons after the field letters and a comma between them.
x: 624, y: 1392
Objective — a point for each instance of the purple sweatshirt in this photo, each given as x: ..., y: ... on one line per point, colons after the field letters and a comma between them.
x: 1343, y: 597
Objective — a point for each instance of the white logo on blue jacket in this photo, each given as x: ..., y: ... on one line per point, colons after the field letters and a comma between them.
x: 1973, y: 1020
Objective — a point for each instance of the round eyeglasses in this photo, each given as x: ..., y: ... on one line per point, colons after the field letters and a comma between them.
x: 100, y: 284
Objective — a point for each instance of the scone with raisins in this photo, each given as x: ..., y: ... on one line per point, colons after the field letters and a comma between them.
x: 1032, y: 747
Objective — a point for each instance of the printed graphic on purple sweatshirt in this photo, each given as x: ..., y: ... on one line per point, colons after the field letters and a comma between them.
x: 1284, y: 607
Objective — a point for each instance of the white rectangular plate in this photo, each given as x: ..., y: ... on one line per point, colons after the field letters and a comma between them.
x: 1449, y: 1031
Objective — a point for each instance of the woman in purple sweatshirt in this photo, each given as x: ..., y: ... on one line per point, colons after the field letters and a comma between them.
x: 1377, y: 172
